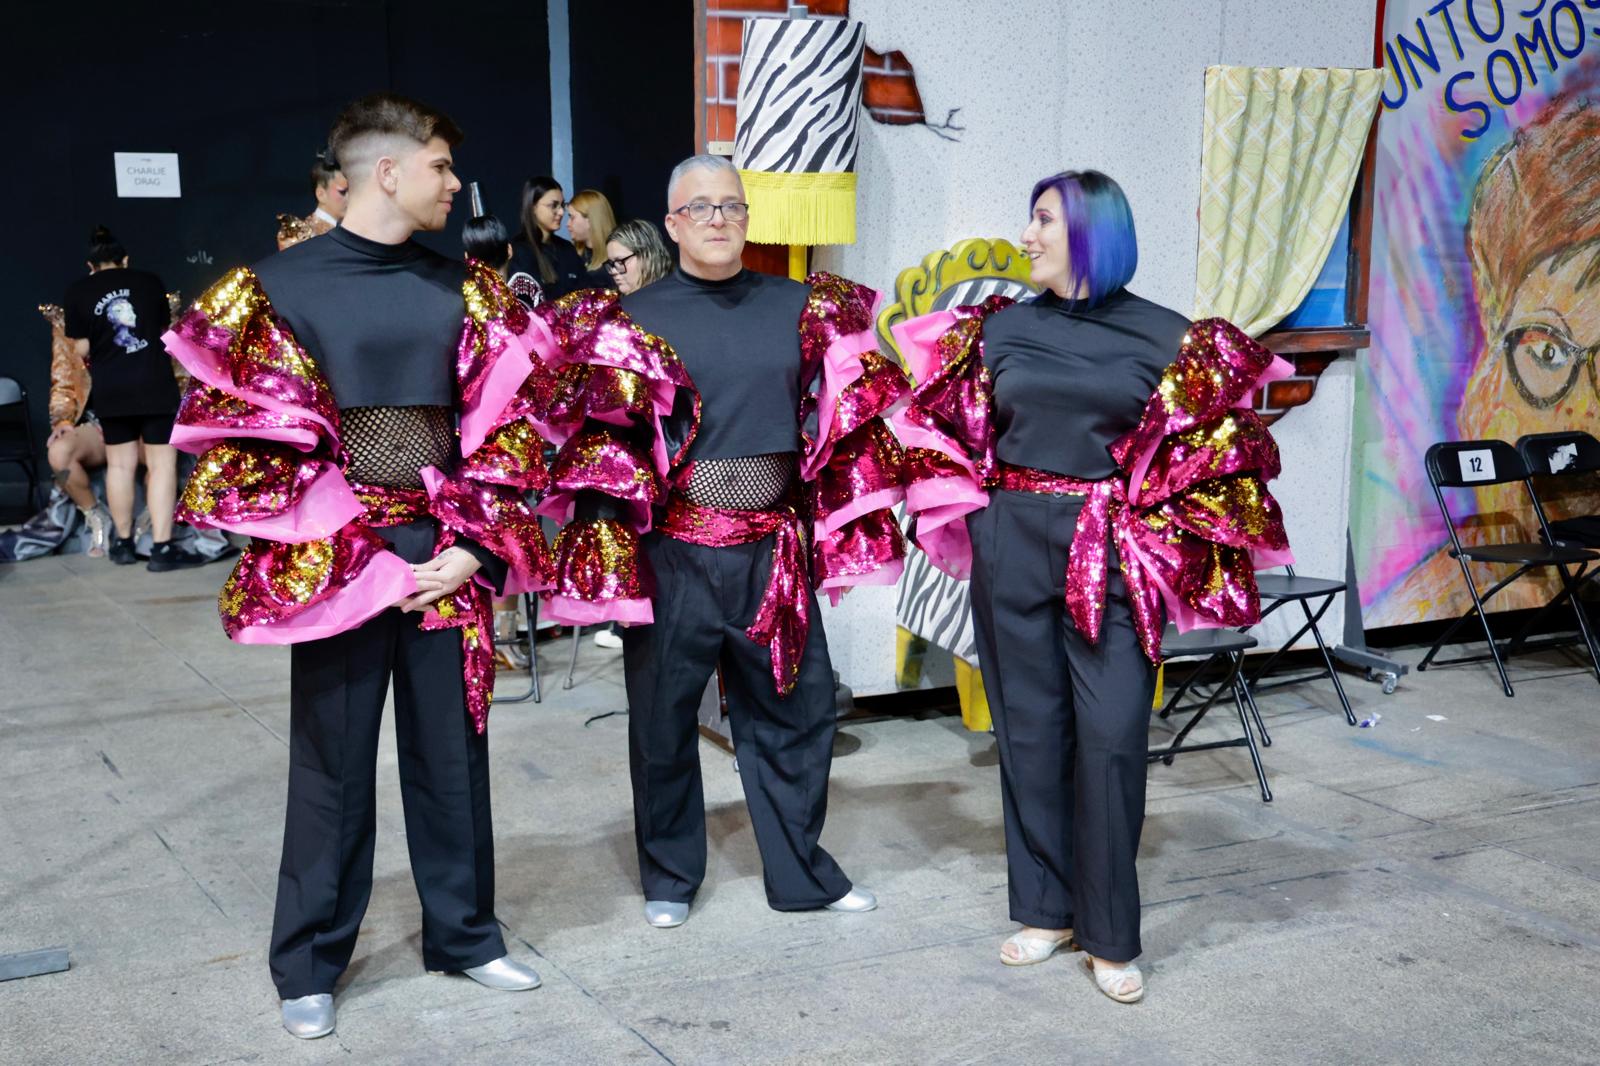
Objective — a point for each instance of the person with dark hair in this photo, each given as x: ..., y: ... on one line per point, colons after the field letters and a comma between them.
x: 690, y: 427
x: 541, y: 252
x: 485, y: 238
x: 1026, y: 422
x: 114, y: 317
x: 331, y: 189
x: 359, y: 406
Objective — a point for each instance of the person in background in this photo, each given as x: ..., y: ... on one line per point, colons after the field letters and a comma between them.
x: 75, y: 446
x: 329, y: 186
x: 590, y: 220
x: 539, y: 251
x: 485, y: 238
x: 115, y: 318
x: 636, y: 256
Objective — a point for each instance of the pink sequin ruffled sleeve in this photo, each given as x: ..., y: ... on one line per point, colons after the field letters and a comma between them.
x: 504, y: 391
x: 1199, y: 517
x: 263, y: 421
x: 616, y: 388
x: 947, y: 429
x: 853, y: 464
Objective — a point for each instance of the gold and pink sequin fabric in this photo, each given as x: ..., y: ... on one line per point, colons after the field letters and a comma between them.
x: 859, y: 467
x: 1189, y: 510
x: 270, y: 426
x: 598, y: 562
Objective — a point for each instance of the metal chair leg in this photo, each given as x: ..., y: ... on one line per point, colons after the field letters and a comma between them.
x: 1255, y: 756
x: 1488, y: 634
x: 1242, y: 687
x: 530, y: 609
x: 572, y: 664
x: 1333, y: 674
x: 1570, y: 588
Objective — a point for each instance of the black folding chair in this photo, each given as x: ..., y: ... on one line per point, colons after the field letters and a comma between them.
x: 530, y: 645
x: 1573, y: 453
x: 1569, y: 454
x: 17, y: 443
x: 1470, y: 464
x: 1280, y: 589
x: 1211, y: 646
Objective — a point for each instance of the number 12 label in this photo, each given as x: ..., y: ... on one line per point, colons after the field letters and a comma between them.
x: 1477, y: 465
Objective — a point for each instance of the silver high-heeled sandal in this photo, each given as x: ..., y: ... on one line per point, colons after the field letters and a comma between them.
x: 1114, y: 979
x: 1032, y: 950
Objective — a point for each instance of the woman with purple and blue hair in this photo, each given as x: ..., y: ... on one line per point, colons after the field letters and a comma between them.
x: 1068, y: 453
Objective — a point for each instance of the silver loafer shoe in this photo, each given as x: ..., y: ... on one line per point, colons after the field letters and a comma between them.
x: 309, y: 1016
x: 504, y: 974
x: 664, y: 914
x: 856, y: 901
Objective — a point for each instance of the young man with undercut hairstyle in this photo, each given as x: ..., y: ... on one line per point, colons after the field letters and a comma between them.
x: 358, y: 404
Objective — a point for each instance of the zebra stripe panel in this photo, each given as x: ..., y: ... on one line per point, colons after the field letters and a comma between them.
x: 936, y: 607
x: 799, y: 106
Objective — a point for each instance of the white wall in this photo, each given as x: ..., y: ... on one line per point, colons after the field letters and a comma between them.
x: 1046, y: 85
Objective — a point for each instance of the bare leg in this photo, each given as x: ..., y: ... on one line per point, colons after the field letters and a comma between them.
x: 161, y: 488
x: 122, y: 462
x: 70, y: 455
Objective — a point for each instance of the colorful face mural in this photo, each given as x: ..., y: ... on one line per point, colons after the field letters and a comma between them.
x: 1485, y: 297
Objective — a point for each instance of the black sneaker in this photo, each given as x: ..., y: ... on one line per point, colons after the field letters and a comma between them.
x: 121, y: 551
x: 167, y: 556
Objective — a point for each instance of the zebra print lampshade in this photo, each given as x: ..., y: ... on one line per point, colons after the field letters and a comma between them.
x: 798, y: 132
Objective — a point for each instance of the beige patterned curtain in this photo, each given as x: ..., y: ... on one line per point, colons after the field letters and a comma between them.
x: 1282, y: 150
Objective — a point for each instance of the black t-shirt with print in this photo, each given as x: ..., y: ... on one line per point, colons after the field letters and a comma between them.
x: 122, y: 314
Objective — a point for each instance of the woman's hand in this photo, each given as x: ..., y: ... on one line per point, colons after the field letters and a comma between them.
x: 61, y: 430
x: 439, y: 577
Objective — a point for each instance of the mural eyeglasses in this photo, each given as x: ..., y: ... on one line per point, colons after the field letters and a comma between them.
x: 1545, y: 364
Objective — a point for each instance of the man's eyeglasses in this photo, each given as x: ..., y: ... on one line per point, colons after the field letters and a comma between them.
x: 700, y: 211
x: 618, y: 266
x: 1545, y: 363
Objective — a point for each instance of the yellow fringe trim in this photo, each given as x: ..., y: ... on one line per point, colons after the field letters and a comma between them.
x: 801, y: 208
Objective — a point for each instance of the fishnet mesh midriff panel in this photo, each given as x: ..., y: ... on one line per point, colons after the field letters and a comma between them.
x: 389, y: 446
x: 748, y: 483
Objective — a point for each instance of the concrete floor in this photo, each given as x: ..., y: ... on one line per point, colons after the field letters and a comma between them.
x: 1424, y: 891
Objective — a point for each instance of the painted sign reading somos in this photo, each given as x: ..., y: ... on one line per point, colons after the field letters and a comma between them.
x: 1531, y: 38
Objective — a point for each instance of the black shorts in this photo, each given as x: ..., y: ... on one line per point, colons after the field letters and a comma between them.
x: 125, y: 429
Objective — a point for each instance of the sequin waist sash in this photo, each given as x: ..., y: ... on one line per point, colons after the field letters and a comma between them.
x: 1105, y: 515
x: 783, y: 619
x: 468, y: 608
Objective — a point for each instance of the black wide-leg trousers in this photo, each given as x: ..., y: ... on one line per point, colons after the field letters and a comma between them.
x: 337, y: 690
x: 1071, y: 720
x: 705, y: 599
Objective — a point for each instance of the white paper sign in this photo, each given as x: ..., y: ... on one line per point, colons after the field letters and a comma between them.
x: 147, y: 173
x: 1477, y: 465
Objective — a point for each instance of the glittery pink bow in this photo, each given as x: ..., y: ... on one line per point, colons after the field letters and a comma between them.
x: 783, y: 620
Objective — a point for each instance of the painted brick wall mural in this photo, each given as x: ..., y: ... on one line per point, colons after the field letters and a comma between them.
x: 890, y: 93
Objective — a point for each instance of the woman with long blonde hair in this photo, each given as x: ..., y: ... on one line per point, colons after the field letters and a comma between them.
x: 591, y: 222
